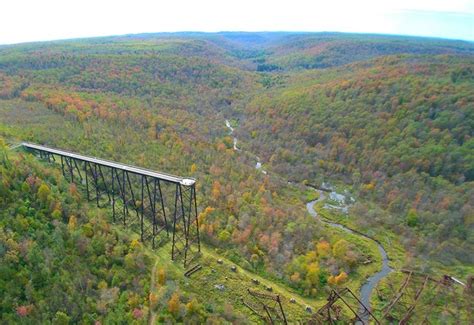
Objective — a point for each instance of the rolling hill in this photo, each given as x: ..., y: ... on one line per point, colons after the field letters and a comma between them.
x: 387, y: 120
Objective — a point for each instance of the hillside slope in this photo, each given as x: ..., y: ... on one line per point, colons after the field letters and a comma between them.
x: 386, y: 120
x: 63, y: 261
x: 398, y: 129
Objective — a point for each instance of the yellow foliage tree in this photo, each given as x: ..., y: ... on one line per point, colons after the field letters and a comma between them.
x: 192, y: 307
x: 134, y: 244
x: 341, y: 278
x: 203, y: 215
x: 133, y: 300
x: 43, y: 193
x: 102, y: 285
x: 332, y: 280
x: 174, y: 304
x: 153, y: 298
x: 368, y: 187
x: 312, y: 274
x: 338, y: 279
x: 161, y: 276
x: 295, y: 277
x: 311, y: 256
x: 340, y: 248
x: 216, y: 190
x: 72, y: 223
x: 323, y: 248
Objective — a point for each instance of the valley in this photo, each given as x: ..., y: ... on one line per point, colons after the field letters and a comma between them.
x: 385, y: 121
x: 368, y: 287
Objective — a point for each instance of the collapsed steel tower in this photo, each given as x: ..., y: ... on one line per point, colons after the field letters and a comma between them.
x: 151, y: 203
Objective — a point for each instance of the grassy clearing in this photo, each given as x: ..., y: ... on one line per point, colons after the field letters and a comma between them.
x: 388, y: 239
x: 438, y: 304
x: 369, y: 249
x: 389, y: 286
x: 202, y: 284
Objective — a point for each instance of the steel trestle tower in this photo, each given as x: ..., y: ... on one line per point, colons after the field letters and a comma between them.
x: 155, y: 205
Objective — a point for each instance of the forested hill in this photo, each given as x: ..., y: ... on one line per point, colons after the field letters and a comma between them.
x: 261, y: 51
x: 398, y: 129
x: 387, y: 119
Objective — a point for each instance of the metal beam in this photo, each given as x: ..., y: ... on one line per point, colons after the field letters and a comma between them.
x: 136, y: 170
x: 139, y: 189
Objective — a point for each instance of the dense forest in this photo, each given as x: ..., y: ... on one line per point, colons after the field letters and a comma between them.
x: 63, y: 262
x: 388, y: 120
x: 397, y: 130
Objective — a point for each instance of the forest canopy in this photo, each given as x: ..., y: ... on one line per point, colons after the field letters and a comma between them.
x: 387, y: 119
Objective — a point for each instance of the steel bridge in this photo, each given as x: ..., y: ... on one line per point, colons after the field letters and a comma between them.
x: 150, y: 203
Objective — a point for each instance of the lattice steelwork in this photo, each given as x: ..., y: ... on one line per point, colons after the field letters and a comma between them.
x: 137, y: 198
x: 331, y: 312
x: 267, y: 306
x: 421, y: 297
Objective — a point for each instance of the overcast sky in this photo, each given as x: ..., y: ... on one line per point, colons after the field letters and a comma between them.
x: 37, y: 20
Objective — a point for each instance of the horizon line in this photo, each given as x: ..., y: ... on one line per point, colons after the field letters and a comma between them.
x: 237, y: 31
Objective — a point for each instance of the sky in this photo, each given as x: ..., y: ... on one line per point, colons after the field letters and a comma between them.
x: 40, y: 20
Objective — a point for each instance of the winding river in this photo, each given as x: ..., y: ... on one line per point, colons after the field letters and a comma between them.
x: 369, y: 286
x: 258, y: 164
x: 372, y: 281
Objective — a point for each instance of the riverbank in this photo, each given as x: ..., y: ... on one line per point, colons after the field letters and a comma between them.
x: 368, y: 287
x: 376, y: 275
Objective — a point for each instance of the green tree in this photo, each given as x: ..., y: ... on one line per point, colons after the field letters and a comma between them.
x: 61, y: 318
x: 43, y: 193
x: 412, y: 218
x: 340, y: 248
